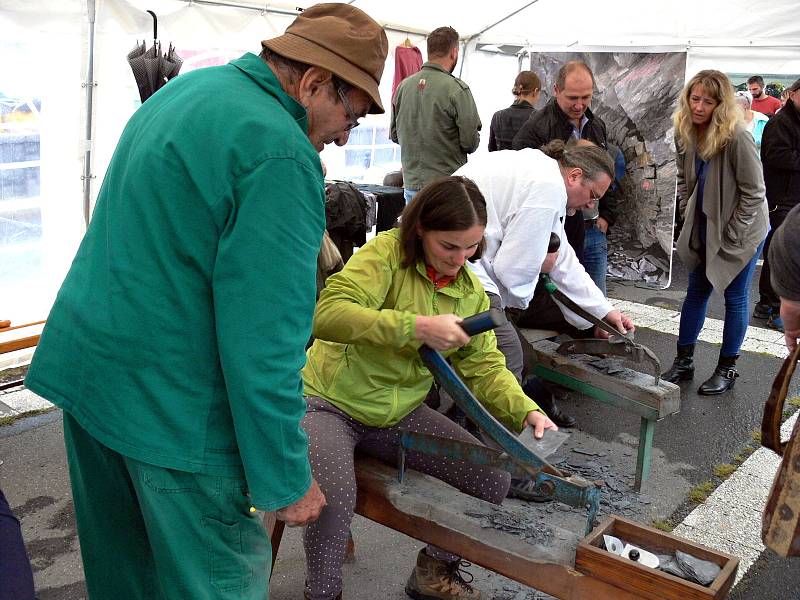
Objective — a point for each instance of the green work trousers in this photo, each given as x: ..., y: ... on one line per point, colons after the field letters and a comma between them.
x: 151, y: 533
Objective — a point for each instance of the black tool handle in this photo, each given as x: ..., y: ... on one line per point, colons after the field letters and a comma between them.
x: 554, y: 244
x: 481, y: 322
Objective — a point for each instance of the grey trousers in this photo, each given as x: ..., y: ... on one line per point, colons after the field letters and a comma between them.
x: 508, y: 341
x: 333, y: 437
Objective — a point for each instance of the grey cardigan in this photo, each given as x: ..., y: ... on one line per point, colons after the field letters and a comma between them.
x: 734, y: 204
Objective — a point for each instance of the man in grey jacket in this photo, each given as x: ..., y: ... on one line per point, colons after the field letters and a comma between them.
x: 434, y: 117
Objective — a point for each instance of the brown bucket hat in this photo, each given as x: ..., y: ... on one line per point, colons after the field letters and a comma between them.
x: 342, y: 39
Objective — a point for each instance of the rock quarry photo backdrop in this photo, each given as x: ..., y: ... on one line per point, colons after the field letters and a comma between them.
x: 635, y: 94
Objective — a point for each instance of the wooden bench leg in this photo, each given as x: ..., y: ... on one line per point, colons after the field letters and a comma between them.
x: 275, y: 532
x: 646, y: 429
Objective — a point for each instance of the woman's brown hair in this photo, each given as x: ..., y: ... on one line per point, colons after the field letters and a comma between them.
x: 447, y: 204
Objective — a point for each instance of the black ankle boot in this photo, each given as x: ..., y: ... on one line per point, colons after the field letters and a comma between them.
x: 723, y: 378
x: 682, y: 368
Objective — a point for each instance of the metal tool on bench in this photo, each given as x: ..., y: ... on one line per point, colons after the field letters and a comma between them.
x: 617, y: 344
x: 515, y: 457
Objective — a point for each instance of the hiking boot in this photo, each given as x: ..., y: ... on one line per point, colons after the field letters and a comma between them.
x: 435, y: 579
x: 762, y: 311
x: 524, y: 490
x: 723, y: 378
x: 682, y: 368
x: 775, y: 322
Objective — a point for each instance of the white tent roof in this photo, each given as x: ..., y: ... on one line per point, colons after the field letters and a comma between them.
x: 45, y: 56
x: 617, y: 23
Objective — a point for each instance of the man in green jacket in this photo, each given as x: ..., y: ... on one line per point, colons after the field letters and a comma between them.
x: 434, y: 117
x: 176, y: 342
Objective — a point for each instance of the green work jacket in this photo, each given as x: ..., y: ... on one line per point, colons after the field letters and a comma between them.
x: 179, y: 333
x: 436, y: 123
x: 365, y: 359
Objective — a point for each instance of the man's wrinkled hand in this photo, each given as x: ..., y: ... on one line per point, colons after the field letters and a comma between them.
x: 306, y: 510
x: 620, y: 321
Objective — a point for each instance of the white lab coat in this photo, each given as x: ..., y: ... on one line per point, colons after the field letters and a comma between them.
x: 525, y: 201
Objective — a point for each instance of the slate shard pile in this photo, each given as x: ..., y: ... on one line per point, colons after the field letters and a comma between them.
x: 609, y: 366
x: 616, y: 496
x: 531, y: 530
x: 635, y: 263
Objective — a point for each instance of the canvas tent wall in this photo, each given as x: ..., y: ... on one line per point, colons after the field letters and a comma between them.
x: 46, y: 47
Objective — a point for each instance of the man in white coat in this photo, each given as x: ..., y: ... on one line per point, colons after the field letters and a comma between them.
x: 528, y: 194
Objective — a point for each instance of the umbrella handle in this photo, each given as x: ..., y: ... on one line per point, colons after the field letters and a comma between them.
x: 155, y: 24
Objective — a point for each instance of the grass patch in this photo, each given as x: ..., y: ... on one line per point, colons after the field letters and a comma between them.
x: 662, y: 525
x: 756, y: 435
x: 794, y: 402
x: 700, y: 493
x: 724, y: 471
x: 11, y: 419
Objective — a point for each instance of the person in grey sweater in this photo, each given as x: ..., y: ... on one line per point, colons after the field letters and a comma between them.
x: 784, y: 256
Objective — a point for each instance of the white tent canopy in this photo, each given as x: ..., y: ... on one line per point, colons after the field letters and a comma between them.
x: 46, y: 48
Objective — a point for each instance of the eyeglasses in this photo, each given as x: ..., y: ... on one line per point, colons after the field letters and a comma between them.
x: 595, y: 197
x: 351, y: 116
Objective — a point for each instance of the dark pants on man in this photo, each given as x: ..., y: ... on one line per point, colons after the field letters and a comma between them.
x: 16, y: 577
x: 768, y: 297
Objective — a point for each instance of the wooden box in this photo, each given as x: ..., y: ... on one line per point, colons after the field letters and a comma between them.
x: 592, y: 559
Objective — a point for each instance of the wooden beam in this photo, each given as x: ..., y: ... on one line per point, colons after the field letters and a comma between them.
x: 428, y: 510
x: 21, y: 336
x: 634, y: 388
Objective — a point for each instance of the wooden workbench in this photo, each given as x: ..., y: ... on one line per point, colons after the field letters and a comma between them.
x: 629, y: 390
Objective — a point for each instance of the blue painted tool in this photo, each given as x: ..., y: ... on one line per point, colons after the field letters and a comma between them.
x: 515, y: 457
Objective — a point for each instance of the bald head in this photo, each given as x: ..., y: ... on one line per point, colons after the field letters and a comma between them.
x: 573, y: 90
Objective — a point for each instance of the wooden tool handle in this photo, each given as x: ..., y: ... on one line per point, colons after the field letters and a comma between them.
x: 773, y: 409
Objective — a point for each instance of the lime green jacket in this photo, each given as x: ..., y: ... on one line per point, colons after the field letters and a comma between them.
x: 365, y: 359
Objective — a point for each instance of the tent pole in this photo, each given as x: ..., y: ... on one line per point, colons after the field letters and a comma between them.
x: 508, y: 16
x: 294, y: 13
x: 89, y: 86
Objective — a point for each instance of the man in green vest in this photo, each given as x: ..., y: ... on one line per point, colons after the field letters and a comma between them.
x: 175, y: 345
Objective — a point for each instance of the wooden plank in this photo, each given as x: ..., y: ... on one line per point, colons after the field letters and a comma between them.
x: 631, y: 386
x: 647, y: 583
x: 433, y: 512
x: 22, y: 336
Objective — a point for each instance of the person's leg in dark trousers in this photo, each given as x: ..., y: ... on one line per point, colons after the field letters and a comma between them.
x: 16, y: 576
x: 151, y: 533
x: 767, y: 299
x: 737, y: 315
x: 333, y: 436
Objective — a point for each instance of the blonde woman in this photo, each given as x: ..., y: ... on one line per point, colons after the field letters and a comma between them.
x: 725, y: 220
x: 507, y: 122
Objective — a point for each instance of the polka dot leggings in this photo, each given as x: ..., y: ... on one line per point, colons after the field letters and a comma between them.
x: 333, y: 437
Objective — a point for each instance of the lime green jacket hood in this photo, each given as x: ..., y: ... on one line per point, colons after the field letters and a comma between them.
x: 365, y: 359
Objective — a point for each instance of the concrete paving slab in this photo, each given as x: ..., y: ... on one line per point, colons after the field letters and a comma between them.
x: 23, y: 401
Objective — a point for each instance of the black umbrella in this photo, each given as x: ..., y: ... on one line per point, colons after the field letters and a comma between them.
x: 152, y: 68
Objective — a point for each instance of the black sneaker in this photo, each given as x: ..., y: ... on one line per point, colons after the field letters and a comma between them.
x: 762, y: 311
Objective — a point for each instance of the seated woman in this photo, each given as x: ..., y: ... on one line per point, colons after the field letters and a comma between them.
x: 364, y: 379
